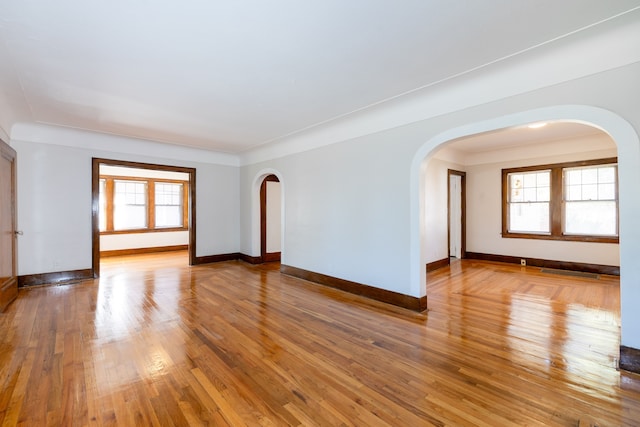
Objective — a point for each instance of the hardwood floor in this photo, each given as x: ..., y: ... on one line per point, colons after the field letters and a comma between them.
x: 155, y: 342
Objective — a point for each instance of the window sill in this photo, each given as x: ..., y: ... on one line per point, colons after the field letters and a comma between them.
x: 143, y: 230
x: 567, y: 238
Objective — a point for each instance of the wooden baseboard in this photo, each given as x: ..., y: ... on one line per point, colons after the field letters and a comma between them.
x: 250, y: 259
x: 382, y: 295
x: 271, y: 257
x: 229, y: 257
x: 546, y: 263
x: 208, y: 259
x: 54, y: 278
x: 438, y: 264
x: 630, y: 359
x: 136, y: 251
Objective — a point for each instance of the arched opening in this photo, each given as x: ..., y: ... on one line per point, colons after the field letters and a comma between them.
x: 628, y: 148
x: 267, y: 216
x: 270, y: 219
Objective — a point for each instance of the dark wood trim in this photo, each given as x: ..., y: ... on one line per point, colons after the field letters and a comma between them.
x: 463, y: 209
x: 208, y: 259
x: 9, y: 284
x: 630, y: 359
x: 546, y: 263
x: 382, y: 295
x: 250, y: 259
x: 136, y: 251
x: 271, y: 257
x: 95, y: 204
x: 266, y: 256
x: 95, y: 217
x: 438, y: 264
x: 556, y: 202
x: 54, y: 278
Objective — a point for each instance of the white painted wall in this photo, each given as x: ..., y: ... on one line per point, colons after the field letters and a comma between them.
x: 274, y: 232
x: 54, y: 194
x: 113, y: 242
x: 435, y: 208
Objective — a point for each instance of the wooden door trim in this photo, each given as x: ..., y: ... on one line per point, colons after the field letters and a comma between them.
x: 95, y: 204
x: 9, y: 289
x: 264, y: 255
x: 463, y: 211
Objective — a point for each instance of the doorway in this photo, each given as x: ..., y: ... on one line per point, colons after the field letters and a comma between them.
x: 457, y: 213
x: 270, y: 219
x: 96, y: 206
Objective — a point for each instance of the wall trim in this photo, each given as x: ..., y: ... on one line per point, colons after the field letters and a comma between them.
x: 630, y: 359
x: 250, y: 259
x: 371, y: 292
x: 208, y: 259
x: 54, y: 278
x: 546, y: 263
x: 431, y: 266
x: 136, y: 251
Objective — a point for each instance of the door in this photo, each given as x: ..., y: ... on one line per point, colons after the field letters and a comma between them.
x: 456, y: 214
x: 270, y: 219
x: 8, y: 273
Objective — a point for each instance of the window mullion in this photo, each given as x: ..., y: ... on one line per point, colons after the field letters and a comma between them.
x: 185, y: 205
x: 557, y: 203
x: 109, y: 200
x: 151, y: 204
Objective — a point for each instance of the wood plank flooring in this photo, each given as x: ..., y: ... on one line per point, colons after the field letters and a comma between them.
x: 155, y: 342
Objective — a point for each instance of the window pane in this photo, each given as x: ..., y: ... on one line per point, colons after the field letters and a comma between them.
x: 594, y: 183
x: 168, y: 216
x: 529, y: 218
x: 607, y: 174
x: 529, y: 187
x: 607, y: 192
x: 590, y: 176
x: 590, y: 192
x: 591, y: 218
x: 130, y: 205
x: 168, y: 205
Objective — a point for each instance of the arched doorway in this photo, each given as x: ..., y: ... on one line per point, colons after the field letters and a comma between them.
x: 628, y: 146
x: 270, y: 219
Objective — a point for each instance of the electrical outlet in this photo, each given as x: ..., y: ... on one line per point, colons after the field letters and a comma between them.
x: 523, y: 262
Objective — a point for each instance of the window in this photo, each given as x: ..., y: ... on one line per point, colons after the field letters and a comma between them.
x: 130, y: 205
x: 590, y: 201
x: 568, y: 201
x: 529, y: 198
x: 169, y: 211
x: 142, y: 205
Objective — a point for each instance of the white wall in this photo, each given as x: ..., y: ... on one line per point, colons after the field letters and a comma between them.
x: 436, y: 211
x: 113, y: 242
x: 54, y: 194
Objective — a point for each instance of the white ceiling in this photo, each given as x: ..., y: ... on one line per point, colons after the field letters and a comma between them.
x: 233, y: 75
x: 523, y: 135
